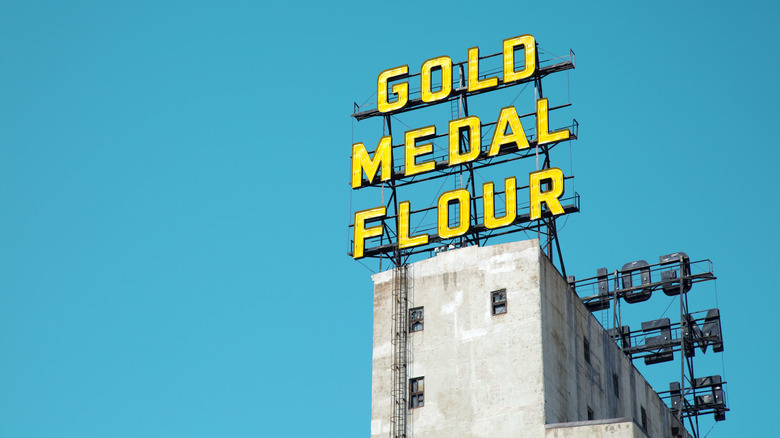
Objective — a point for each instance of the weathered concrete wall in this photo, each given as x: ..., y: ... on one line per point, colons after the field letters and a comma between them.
x: 511, y: 374
x: 483, y: 373
x: 615, y: 428
x: 573, y: 384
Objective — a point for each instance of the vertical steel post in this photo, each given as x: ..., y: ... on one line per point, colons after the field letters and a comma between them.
x: 393, y: 202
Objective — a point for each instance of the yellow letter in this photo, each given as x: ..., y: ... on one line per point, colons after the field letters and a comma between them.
x: 461, y: 196
x: 510, y: 202
x: 472, y: 125
x: 529, y: 47
x: 474, y: 82
x: 401, y: 90
x: 412, y: 150
x: 362, y: 233
x: 404, y: 241
x: 445, y: 64
x: 508, y: 118
x: 542, y: 126
x: 383, y: 156
x: 537, y: 196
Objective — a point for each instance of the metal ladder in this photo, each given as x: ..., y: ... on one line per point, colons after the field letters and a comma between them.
x: 400, y: 353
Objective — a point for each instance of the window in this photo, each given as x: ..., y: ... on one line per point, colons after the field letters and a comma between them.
x: 644, y: 420
x: 616, y: 385
x: 586, y: 348
x: 416, y: 319
x: 590, y: 413
x: 498, y: 301
x: 416, y: 392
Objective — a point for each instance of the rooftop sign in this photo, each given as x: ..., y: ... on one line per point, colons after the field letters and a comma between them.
x: 408, y: 159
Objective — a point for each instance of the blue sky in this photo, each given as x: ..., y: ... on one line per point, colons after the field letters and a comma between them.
x: 174, y: 196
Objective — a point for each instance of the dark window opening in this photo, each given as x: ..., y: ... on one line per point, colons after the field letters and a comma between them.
x: 616, y: 385
x: 586, y: 349
x: 498, y: 301
x: 644, y: 419
x: 590, y: 413
x: 416, y: 392
x: 416, y: 319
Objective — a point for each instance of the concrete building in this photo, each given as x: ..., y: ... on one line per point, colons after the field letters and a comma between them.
x: 500, y: 346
